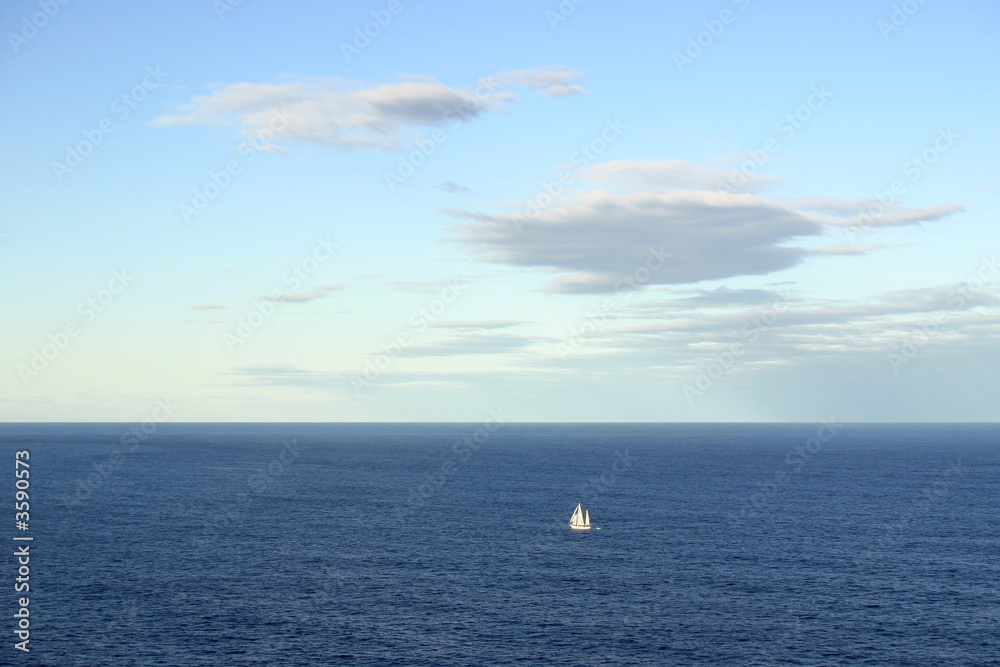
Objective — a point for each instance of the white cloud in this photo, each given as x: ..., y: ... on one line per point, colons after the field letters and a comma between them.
x: 346, y: 114
x: 478, y: 325
x: 553, y: 81
x: 472, y: 343
x: 454, y: 188
x: 426, y: 286
x: 679, y: 338
x: 320, y: 292
x: 665, y: 175
x: 722, y: 297
x: 597, y: 239
x: 869, y: 213
x: 849, y: 249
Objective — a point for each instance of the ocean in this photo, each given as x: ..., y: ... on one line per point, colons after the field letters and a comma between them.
x: 449, y: 544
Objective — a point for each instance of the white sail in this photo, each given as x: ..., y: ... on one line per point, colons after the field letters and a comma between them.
x: 580, y: 520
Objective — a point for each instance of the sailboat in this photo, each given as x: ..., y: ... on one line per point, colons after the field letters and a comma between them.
x: 580, y: 519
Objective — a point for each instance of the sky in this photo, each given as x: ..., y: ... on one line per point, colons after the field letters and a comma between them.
x: 576, y: 211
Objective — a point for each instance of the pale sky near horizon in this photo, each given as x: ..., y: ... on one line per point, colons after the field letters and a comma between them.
x: 597, y: 212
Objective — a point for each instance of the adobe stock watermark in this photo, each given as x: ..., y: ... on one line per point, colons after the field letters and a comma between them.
x: 932, y: 494
x: 899, y: 17
x: 725, y: 361
x: 124, y: 616
x: 585, y: 156
x: 714, y: 28
x: 122, y: 107
x: 38, y: 20
x: 608, y: 479
x: 381, y: 19
x: 424, y: 147
x: 223, y: 7
x: 461, y: 451
x: 776, y: 651
x: 218, y: 181
x: 563, y: 11
x: 88, y: 310
x: 596, y: 321
x: 914, y: 168
x: 635, y: 620
x: 422, y: 318
x: 786, y: 127
x: 590, y: 490
x: 263, y: 477
x: 931, y: 328
x: 265, y: 308
x: 795, y: 461
x: 130, y: 441
x: 332, y: 583
x: 257, y: 481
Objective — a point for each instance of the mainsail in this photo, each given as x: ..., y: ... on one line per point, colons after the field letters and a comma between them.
x: 578, y: 520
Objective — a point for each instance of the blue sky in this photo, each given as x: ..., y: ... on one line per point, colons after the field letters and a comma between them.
x: 631, y: 212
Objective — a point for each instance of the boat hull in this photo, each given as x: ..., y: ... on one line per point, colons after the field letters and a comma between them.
x: 579, y: 527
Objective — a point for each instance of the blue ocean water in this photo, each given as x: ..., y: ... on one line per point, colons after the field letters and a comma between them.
x: 449, y: 544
